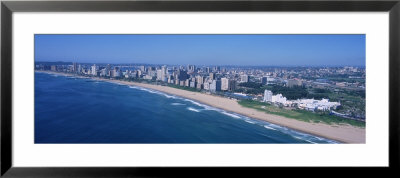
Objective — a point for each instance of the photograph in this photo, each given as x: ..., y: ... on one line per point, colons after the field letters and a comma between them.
x: 168, y: 88
x: 199, y: 89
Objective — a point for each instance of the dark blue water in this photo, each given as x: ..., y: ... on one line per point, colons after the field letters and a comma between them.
x: 77, y: 110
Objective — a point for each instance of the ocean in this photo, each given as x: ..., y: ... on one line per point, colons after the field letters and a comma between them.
x: 82, y: 110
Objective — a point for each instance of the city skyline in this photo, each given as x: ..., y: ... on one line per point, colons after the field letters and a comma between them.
x: 218, y: 50
x: 204, y: 65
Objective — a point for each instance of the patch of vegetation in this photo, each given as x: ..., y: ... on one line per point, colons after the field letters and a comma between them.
x: 139, y: 80
x: 184, y: 88
x: 291, y: 93
x: 255, y: 91
x: 348, y: 80
x: 302, y: 115
x: 251, y: 85
x: 251, y: 88
x: 240, y: 90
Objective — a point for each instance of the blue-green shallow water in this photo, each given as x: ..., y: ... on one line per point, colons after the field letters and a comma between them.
x: 77, y: 110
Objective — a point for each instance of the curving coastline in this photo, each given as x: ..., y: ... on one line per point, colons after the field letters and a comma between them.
x: 342, y: 133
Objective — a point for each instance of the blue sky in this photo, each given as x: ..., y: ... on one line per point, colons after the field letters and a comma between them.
x: 269, y: 50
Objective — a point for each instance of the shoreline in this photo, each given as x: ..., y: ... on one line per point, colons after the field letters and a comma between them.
x: 341, y: 133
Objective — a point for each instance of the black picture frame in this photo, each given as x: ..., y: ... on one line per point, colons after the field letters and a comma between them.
x: 8, y: 7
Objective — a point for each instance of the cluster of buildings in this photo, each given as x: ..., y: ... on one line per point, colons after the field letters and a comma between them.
x: 212, y: 79
x: 220, y: 79
x: 93, y: 70
x: 225, y: 80
x: 305, y: 104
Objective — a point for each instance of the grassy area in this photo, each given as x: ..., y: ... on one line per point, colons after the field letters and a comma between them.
x: 352, y: 102
x: 301, y: 115
x: 291, y: 93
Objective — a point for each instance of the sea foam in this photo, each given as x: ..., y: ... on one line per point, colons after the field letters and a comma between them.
x: 153, y: 91
x: 193, y: 109
x: 177, y: 104
x: 230, y: 114
x: 268, y: 127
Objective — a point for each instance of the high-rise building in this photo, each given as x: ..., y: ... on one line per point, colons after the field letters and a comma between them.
x: 183, y: 75
x: 116, y: 72
x: 169, y: 78
x: 232, y: 85
x: 163, y: 72
x: 228, y: 84
x: 79, y: 69
x: 244, y: 78
x: 215, y: 85
x: 192, y: 84
x: 150, y: 68
x: 94, y: 69
x: 135, y: 74
x: 187, y: 82
x: 53, y: 68
x: 142, y: 68
x: 267, y: 96
x: 206, y: 86
x: 264, y: 80
x: 74, y: 67
x: 199, y: 86
x: 108, y: 70
x: 191, y: 68
x: 200, y: 79
x: 224, y: 84
x: 103, y: 72
x: 212, y: 76
x: 217, y: 69
x: 208, y: 70
x: 152, y: 73
x: 159, y: 74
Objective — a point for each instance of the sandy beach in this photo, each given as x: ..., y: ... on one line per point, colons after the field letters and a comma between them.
x: 341, y: 133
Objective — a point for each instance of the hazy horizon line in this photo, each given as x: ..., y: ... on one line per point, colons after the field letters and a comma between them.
x: 207, y: 64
